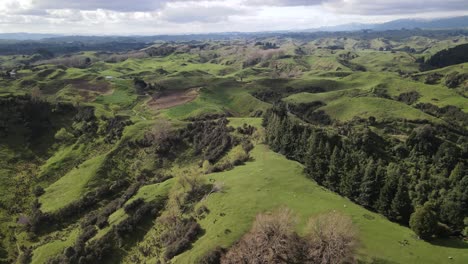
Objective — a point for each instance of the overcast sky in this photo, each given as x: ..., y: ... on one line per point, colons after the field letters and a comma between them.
x: 146, y: 17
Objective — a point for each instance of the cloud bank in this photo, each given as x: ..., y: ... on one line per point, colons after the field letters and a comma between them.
x: 189, y: 16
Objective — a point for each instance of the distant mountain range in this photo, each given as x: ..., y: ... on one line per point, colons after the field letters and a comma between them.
x: 26, y: 36
x: 438, y: 23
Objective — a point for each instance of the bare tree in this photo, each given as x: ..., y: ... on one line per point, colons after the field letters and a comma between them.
x: 271, y: 240
x: 332, y: 238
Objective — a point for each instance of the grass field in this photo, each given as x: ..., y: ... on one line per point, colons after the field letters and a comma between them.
x: 225, y: 77
x: 42, y: 253
x: 71, y: 186
x: 271, y: 181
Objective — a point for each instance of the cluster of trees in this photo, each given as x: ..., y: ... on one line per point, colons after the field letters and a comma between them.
x: 274, y: 93
x: 449, y: 113
x: 107, y: 247
x: 387, y: 176
x: 70, y: 61
x: 161, y: 51
x: 114, y: 128
x: 266, y: 45
x: 455, y: 79
x: 31, y: 117
x: 40, y: 222
x: 330, y: 238
x: 308, y: 112
x: 142, y: 87
x: 211, y: 139
x: 409, y: 98
x: 433, y: 78
x: 452, y: 56
x: 259, y: 56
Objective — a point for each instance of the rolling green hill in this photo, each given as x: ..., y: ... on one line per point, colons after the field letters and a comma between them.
x: 167, y: 153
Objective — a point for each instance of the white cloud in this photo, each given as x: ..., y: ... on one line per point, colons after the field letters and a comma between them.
x: 283, y: 2
x: 206, y: 12
x: 394, y: 7
x: 191, y: 16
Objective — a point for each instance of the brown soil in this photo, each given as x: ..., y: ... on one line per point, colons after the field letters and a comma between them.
x: 101, y: 86
x: 173, y: 98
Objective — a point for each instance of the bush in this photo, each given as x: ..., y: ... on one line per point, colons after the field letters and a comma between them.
x: 212, y: 257
x: 409, y: 98
x: 433, y: 78
x: 332, y: 238
x: 271, y: 240
x: 179, y: 235
x: 133, y: 206
x: 465, y: 230
x: 239, y: 156
x: 38, y: 191
x: 424, y: 221
x: 207, y: 167
x: 454, y: 79
x: 63, y: 135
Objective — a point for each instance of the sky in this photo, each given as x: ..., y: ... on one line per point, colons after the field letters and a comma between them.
x: 151, y: 17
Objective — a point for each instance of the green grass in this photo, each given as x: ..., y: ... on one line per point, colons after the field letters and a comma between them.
x: 42, y: 253
x: 71, y: 186
x: 346, y: 108
x: 272, y: 181
x: 221, y: 96
x: 377, y: 61
x: 123, y: 95
x: 148, y: 193
x: 240, y: 121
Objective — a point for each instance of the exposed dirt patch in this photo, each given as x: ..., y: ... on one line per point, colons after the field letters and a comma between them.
x: 100, y: 86
x: 173, y: 98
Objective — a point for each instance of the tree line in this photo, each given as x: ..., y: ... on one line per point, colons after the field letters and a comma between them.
x: 426, y: 174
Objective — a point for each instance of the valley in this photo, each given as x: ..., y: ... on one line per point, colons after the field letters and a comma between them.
x: 169, y: 151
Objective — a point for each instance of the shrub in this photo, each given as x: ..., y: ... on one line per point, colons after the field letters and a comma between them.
x: 271, y: 240
x: 178, y: 235
x: 239, y: 156
x: 465, y: 230
x: 212, y: 257
x: 133, y: 206
x: 63, y: 135
x: 409, y: 98
x: 424, y: 221
x: 38, y: 191
x: 207, y: 167
x: 332, y: 238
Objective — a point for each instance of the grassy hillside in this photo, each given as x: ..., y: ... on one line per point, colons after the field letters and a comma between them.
x: 108, y: 146
x: 271, y: 181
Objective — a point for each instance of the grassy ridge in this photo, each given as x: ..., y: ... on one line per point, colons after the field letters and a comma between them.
x: 272, y: 181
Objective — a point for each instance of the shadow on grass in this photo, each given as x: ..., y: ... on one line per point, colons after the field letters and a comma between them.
x: 450, y: 243
x: 377, y: 261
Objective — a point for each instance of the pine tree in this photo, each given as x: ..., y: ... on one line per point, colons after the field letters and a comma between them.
x: 457, y: 173
x: 369, y: 189
x: 401, y: 208
x: 349, y: 186
x: 332, y: 179
x: 387, y: 193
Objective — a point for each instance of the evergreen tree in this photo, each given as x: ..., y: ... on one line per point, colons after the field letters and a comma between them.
x: 387, y: 193
x: 457, y: 173
x: 332, y: 179
x: 401, y: 209
x: 369, y: 189
x: 349, y: 186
